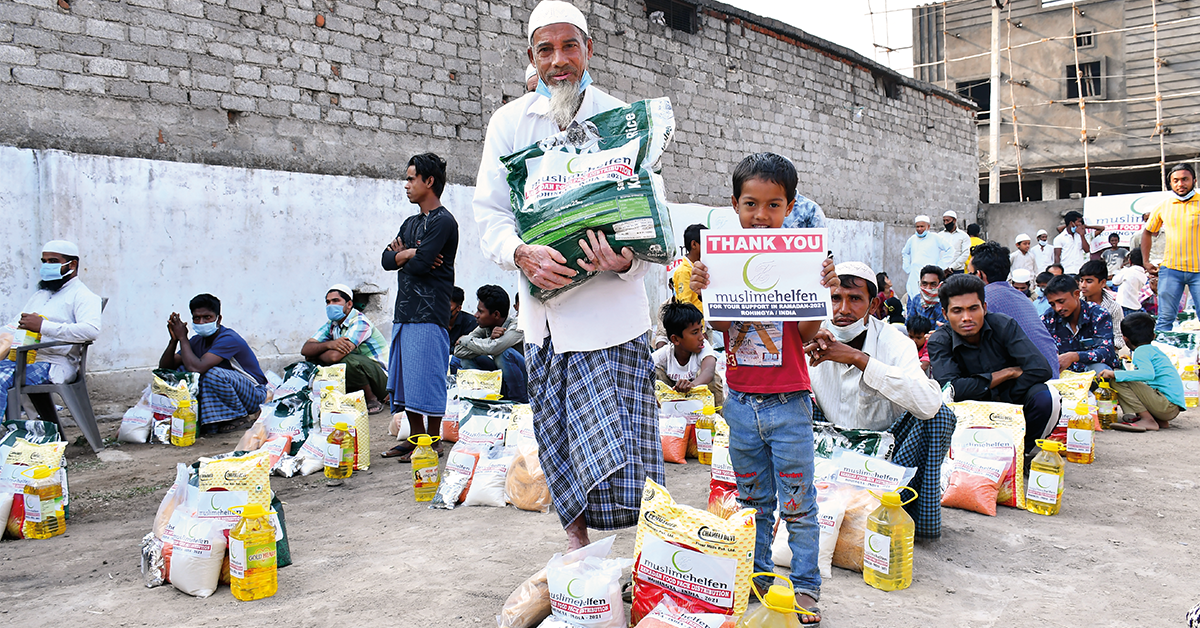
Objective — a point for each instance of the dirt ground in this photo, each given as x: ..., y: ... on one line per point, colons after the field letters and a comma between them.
x: 1122, y: 551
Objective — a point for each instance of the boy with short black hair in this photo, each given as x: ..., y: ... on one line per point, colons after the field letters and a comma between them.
x: 1042, y: 280
x: 683, y: 274
x: 1093, y: 278
x: 1152, y: 392
x: 919, y: 328
x: 769, y: 404
x: 687, y: 360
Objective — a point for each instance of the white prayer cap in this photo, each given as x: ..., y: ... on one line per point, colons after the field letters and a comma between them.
x: 950, y: 214
x: 1021, y: 275
x: 856, y: 269
x: 62, y: 247
x: 341, y: 287
x: 1042, y: 232
x: 530, y: 71
x: 1022, y: 237
x: 550, y: 12
x: 921, y: 218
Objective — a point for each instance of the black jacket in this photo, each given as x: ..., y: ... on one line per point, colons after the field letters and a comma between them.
x: 422, y: 291
x: 969, y: 367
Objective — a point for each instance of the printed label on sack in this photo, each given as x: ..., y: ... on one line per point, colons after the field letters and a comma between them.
x: 1079, y: 441
x: 704, y: 440
x: 459, y: 462
x: 162, y: 404
x: 33, y: 508
x: 877, y: 552
x: 639, y: 229
x: 827, y: 522
x: 983, y: 467
x: 221, y: 505
x: 867, y: 472
x: 672, y: 428
x: 193, y: 539
x: 1042, y: 487
x: 700, y: 620
x: 691, y: 573
x: 567, y: 599
x: 722, y: 468
x: 985, y: 442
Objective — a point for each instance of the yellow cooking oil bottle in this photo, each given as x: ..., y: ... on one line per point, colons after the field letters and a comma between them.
x: 252, y: 566
x: 44, y: 515
x: 1081, y: 435
x: 183, y: 424
x: 778, y: 608
x: 1191, y: 386
x: 1106, y: 404
x: 704, y: 434
x: 1043, y: 491
x: 426, y: 476
x: 339, y: 453
x: 888, y: 546
x: 31, y: 338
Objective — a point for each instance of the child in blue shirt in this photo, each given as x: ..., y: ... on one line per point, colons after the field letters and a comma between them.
x: 1153, y: 390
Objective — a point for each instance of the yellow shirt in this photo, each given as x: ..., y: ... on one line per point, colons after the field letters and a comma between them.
x: 683, y: 288
x: 974, y: 243
x: 1180, y: 221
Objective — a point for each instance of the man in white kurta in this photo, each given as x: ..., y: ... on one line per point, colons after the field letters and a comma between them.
x: 587, y: 350
x: 63, y: 309
x: 924, y: 248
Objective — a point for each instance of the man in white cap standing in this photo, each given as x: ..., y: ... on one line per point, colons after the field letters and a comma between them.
x: 922, y: 249
x: 62, y: 309
x: 350, y: 338
x: 958, y: 242
x: 591, y: 381
x: 866, y: 375
x: 1043, y: 252
x: 1022, y: 257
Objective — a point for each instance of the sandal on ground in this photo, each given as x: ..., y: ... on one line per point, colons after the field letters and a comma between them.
x: 234, y: 425
x: 403, y: 451
x: 812, y: 621
x: 1127, y: 427
x: 374, y: 407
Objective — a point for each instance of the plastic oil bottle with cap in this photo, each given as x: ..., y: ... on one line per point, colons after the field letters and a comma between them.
x: 1043, y: 491
x: 426, y: 475
x: 704, y: 434
x: 183, y: 424
x: 252, y: 562
x: 1081, y: 434
x: 1191, y: 386
x: 888, y: 546
x: 778, y: 609
x: 43, y: 496
x: 339, y: 453
x: 1106, y: 404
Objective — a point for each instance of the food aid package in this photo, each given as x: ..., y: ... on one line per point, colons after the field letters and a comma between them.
x: 311, y: 457
x: 601, y: 174
x: 456, y: 478
x: 276, y: 449
x: 529, y: 603
x: 254, y: 437
x: 672, y: 401
x: 1071, y: 388
x: 475, y: 384
x: 858, y: 475
x: 491, y: 474
x: 194, y: 550
x: 987, y: 429
x: 672, y: 430
x: 293, y: 416
x: 722, y: 484
x: 526, y: 486
x: 248, y: 475
x: 669, y: 614
x: 484, y: 423
x: 137, y: 421
x: 399, y: 427
x: 350, y: 409
x: 587, y: 593
x: 974, y: 483
x: 14, y: 475
x: 333, y: 376
x: 33, y: 431
x: 831, y: 508
x: 702, y: 561
x: 153, y: 568
x: 827, y: 439
x: 166, y: 391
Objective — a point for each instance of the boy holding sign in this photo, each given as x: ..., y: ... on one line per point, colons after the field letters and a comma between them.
x: 768, y: 405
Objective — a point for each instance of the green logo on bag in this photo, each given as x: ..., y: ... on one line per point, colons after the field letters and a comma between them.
x: 674, y: 564
x: 762, y: 270
x: 569, y: 588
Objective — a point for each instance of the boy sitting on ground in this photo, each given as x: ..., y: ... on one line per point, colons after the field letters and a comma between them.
x: 919, y: 328
x: 1152, y: 393
x: 687, y: 360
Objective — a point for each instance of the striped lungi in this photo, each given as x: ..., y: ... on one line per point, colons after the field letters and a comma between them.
x: 596, y: 422
x: 226, y: 395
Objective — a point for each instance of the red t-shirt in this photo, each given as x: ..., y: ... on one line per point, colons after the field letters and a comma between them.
x: 765, y: 358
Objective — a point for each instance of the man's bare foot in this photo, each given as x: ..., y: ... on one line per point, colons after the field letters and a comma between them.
x: 1149, y: 423
x: 1162, y: 425
x: 577, y: 534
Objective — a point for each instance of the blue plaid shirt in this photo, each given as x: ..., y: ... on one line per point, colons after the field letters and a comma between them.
x: 1093, y: 341
x: 933, y: 314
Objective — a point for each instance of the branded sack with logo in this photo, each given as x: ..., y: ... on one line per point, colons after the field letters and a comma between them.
x: 587, y: 593
x: 669, y: 614
x: 194, y: 550
x: 249, y: 475
x: 856, y: 475
x: 701, y: 560
x: 529, y: 603
x: 987, y: 429
x: 166, y: 391
x: 672, y: 431
x: 974, y: 484
x: 351, y: 409
x: 828, y: 439
x: 294, y: 416
x: 487, y: 486
x: 601, y: 174
x: 1072, y: 389
x: 476, y: 384
x: 484, y: 423
x: 333, y: 376
x: 722, y: 484
x: 456, y: 478
x: 137, y: 422
x: 19, y: 455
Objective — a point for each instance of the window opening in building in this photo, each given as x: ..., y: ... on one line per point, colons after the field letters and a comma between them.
x: 1085, y: 39
x: 1090, y: 79
x: 979, y: 91
x: 680, y: 16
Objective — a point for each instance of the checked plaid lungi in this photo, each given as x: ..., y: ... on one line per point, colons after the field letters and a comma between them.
x: 596, y: 422
x: 226, y: 394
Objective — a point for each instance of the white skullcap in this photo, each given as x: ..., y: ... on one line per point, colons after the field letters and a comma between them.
x: 1021, y: 275
x: 530, y: 71
x: 342, y: 287
x: 950, y: 214
x: 856, y: 269
x: 921, y: 218
x: 1021, y: 237
x: 550, y: 12
x: 62, y: 247
x: 1042, y: 232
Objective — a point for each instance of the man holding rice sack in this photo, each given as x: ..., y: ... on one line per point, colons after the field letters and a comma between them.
x: 566, y: 172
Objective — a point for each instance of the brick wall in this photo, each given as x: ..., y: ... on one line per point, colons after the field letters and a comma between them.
x: 257, y: 83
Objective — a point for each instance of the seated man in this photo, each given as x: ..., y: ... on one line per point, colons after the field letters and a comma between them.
x: 865, y: 374
x: 496, y: 343
x: 62, y: 309
x: 232, y: 386
x: 688, y: 360
x: 990, y: 263
x: 986, y: 357
x: 926, y: 304
x: 461, y: 323
x: 351, y: 338
x: 1082, y: 331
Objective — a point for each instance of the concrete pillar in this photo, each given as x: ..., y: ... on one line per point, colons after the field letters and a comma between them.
x: 1050, y: 189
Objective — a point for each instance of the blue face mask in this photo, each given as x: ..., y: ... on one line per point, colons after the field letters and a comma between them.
x: 922, y: 234
x: 335, y: 312
x: 544, y: 90
x: 1187, y: 196
x: 205, y: 329
x: 51, y: 271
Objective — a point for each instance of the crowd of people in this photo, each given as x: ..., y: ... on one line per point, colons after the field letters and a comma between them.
x: 981, y: 321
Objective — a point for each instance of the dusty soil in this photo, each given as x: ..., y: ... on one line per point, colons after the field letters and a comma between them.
x: 1122, y: 552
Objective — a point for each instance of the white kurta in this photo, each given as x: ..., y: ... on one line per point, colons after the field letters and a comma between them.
x: 959, y: 244
x: 1023, y: 260
x: 1043, y: 255
x: 919, y: 252
x: 72, y: 315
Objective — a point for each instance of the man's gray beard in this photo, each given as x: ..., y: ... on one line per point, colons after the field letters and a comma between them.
x: 565, y: 99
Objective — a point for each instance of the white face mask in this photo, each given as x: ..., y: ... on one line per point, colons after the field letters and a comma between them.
x: 847, y: 333
x: 1188, y: 196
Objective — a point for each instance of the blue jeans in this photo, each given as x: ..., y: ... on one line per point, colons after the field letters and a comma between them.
x: 511, y: 364
x: 1171, y: 283
x: 771, y: 448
